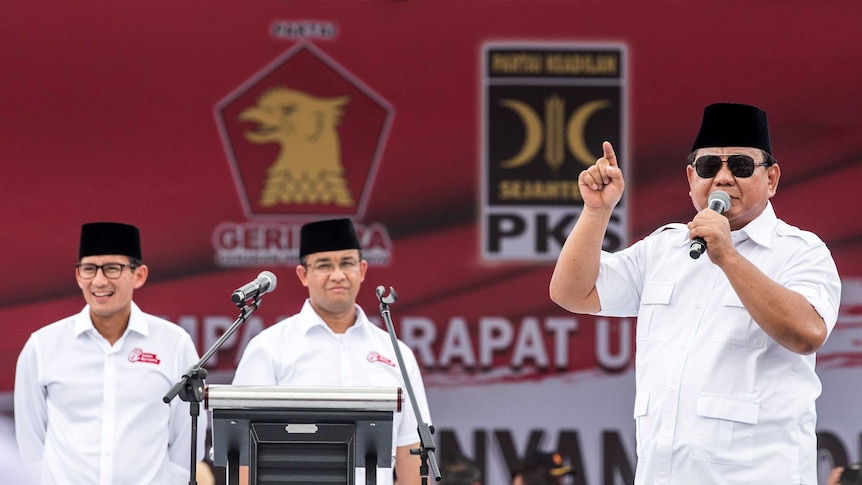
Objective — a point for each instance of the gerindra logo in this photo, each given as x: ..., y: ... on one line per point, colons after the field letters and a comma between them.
x: 308, y: 168
x: 303, y: 138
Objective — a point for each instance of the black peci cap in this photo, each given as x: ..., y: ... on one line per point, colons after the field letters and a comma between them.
x: 730, y: 124
x: 329, y: 235
x: 99, y: 238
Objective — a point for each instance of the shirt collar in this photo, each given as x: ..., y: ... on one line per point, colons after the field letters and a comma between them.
x: 761, y: 228
x: 310, y: 319
x: 137, y: 322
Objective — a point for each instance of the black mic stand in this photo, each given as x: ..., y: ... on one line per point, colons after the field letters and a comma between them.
x: 426, y: 448
x: 191, y: 386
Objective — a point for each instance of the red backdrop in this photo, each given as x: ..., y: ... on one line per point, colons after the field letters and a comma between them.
x: 111, y: 111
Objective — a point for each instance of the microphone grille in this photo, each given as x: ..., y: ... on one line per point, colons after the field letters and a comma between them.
x: 271, y: 277
x: 720, y: 197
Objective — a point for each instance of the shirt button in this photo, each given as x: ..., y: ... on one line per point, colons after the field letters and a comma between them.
x: 683, y: 347
x: 671, y: 388
x: 665, y: 434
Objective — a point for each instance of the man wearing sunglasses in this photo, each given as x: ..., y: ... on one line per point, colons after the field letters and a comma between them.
x: 725, y: 344
x: 89, y: 388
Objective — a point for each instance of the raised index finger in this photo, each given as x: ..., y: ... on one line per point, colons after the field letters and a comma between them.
x: 610, y: 156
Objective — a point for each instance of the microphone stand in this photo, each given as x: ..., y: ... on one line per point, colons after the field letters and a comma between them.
x: 426, y: 448
x: 191, y: 386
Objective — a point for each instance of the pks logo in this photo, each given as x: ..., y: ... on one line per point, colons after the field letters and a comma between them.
x: 304, y: 137
x: 546, y: 110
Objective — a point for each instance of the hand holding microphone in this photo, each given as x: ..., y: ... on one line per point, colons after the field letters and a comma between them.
x: 719, y: 201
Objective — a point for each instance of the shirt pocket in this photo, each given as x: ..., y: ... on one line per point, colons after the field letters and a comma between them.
x: 654, y: 304
x: 735, y: 325
x: 725, y: 428
x: 642, y: 421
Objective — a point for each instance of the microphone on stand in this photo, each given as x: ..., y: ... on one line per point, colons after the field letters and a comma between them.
x: 427, y: 449
x: 191, y: 387
x: 719, y: 201
x: 263, y: 284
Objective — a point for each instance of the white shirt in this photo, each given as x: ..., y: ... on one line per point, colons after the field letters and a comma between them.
x: 87, y: 412
x: 303, y: 351
x: 11, y: 469
x: 718, y: 400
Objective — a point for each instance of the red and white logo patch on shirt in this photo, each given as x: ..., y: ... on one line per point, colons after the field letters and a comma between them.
x: 375, y: 357
x: 139, y: 355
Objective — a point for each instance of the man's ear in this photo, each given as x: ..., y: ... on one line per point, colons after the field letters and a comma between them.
x: 363, y: 267
x: 141, y: 273
x: 773, y: 173
x: 302, y: 274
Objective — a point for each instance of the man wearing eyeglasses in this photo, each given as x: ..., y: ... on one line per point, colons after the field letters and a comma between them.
x: 89, y: 388
x: 331, y: 342
x: 725, y: 345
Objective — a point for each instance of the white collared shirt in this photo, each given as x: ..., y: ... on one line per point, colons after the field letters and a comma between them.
x: 88, y: 412
x: 718, y: 400
x: 303, y: 351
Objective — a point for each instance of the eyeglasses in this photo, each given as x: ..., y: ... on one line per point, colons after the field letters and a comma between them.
x: 326, y: 267
x: 741, y: 166
x: 111, y: 271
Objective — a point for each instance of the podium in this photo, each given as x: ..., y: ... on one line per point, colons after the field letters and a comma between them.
x: 302, y: 435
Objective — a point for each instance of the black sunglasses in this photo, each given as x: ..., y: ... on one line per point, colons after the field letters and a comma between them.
x: 742, y: 166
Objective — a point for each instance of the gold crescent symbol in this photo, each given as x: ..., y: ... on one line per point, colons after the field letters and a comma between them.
x: 575, y: 131
x: 532, y: 133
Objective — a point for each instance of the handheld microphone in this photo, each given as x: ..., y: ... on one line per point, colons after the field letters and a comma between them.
x: 719, y: 201
x: 264, y: 283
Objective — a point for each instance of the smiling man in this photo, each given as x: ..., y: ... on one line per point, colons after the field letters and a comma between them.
x: 89, y: 388
x: 331, y: 342
x: 725, y: 344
